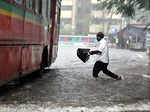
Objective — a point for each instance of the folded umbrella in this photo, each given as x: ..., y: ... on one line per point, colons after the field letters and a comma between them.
x: 83, y: 54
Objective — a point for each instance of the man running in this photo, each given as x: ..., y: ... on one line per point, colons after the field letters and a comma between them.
x: 103, y: 58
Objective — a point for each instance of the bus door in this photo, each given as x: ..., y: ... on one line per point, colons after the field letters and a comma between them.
x: 55, y: 13
x: 52, y: 18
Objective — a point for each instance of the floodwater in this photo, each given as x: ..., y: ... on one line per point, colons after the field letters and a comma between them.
x: 69, y: 86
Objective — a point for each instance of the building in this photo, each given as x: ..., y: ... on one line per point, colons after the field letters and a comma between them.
x: 67, y: 16
x: 134, y: 34
x: 77, y: 18
x: 101, y: 20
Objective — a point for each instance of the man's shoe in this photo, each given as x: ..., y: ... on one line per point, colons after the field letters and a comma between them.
x: 96, y: 78
x: 119, y: 78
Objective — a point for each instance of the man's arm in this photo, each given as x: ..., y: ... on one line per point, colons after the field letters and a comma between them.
x: 95, y: 52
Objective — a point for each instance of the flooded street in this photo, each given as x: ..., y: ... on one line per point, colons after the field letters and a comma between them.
x: 69, y: 86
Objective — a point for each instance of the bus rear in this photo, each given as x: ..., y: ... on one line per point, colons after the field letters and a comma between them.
x: 29, y: 32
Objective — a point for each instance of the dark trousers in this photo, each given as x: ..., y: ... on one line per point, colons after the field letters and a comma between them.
x: 100, y: 66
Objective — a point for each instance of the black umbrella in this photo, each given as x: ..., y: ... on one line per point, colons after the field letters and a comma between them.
x: 82, y: 54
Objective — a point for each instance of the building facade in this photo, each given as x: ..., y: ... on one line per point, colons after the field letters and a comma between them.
x: 67, y: 16
x: 78, y: 18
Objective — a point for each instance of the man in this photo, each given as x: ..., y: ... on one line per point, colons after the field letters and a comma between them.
x: 103, y: 58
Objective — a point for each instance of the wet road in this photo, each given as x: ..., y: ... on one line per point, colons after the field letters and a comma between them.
x: 69, y: 85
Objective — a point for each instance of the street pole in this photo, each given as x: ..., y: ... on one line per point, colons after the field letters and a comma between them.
x: 74, y: 9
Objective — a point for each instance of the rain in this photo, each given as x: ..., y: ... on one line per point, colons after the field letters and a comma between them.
x: 68, y: 85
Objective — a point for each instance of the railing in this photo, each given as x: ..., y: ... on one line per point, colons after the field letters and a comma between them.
x: 69, y: 38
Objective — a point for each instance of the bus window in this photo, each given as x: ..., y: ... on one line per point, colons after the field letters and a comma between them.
x: 49, y: 9
x: 38, y: 6
x: 29, y: 4
x: 44, y: 8
x: 19, y: 1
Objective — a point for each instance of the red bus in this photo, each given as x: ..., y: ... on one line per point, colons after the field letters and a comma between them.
x: 29, y: 32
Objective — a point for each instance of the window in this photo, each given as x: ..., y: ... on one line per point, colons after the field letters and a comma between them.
x: 49, y: 8
x: 29, y: 4
x: 44, y: 8
x: 38, y: 6
x: 19, y: 1
x: 95, y: 7
x: 67, y: 7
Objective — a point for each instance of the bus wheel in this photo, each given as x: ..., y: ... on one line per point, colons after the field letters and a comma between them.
x: 44, y: 62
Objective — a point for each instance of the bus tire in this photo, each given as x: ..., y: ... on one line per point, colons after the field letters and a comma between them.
x: 44, y: 62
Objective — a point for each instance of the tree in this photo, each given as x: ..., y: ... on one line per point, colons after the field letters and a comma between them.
x: 125, y: 7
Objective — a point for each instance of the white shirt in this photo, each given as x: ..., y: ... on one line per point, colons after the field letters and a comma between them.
x: 103, y: 47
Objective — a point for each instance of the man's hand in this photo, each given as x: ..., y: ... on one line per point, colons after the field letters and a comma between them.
x: 90, y: 52
x: 94, y: 52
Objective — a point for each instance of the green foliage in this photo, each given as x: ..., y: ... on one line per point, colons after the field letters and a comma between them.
x: 124, y: 7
